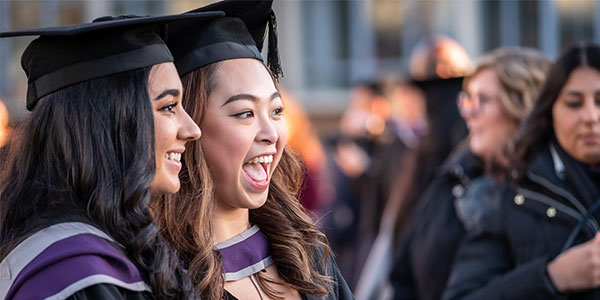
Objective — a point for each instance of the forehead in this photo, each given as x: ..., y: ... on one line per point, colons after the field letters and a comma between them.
x: 163, y: 76
x: 484, y: 78
x: 244, y: 76
x: 583, y: 79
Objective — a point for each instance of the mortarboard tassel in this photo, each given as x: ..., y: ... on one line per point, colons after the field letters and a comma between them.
x: 273, y: 61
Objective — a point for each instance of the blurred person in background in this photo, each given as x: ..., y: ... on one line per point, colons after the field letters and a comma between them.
x: 437, y: 66
x: 389, y: 176
x: 541, y: 240
x: 360, y: 130
x: 494, y: 100
x: 303, y: 140
x: 4, y: 128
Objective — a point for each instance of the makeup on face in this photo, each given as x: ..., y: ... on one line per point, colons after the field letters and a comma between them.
x: 247, y: 109
x: 173, y: 127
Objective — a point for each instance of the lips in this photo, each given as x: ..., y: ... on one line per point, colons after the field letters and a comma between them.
x: 173, y: 159
x: 591, y: 138
x: 256, y: 171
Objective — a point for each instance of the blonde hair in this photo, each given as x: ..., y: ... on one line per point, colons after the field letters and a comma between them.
x: 521, y: 72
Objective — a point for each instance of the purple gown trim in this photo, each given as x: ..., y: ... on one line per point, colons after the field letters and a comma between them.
x: 245, y: 254
x: 72, y: 264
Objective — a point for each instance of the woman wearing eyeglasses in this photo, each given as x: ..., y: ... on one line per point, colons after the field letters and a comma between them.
x: 542, y: 240
x: 495, y: 98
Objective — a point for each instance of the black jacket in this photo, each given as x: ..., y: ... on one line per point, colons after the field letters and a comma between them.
x: 423, y: 262
x: 507, y: 257
x: 107, y: 291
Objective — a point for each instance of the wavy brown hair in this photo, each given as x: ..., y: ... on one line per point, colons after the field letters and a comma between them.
x: 300, y: 251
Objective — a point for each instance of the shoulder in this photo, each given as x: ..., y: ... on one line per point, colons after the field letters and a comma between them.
x: 340, y: 288
x: 63, y: 259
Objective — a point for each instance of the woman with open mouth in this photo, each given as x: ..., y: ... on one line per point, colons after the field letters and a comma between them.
x: 237, y: 221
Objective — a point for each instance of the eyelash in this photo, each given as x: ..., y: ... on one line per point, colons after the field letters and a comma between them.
x: 244, y: 115
x: 248, y: 114
x: 169, y: 107
x: 573, y: 104
x: 278, y: 111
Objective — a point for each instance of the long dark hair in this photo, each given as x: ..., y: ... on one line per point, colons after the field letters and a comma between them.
x: 537, y: 129
x: 300, y: 251
x: 86, y: 153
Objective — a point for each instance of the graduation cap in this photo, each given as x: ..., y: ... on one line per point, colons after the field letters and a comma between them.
x: 240, y: 34
x: 65, y: 55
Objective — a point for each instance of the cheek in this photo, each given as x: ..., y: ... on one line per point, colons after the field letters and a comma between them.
x: 561, y: 125
x: 225, y: 150
x: 165, y: 133
x: 282, y: 132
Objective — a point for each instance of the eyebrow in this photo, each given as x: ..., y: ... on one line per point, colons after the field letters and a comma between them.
x: 171, y: 92
x: 249, y: 97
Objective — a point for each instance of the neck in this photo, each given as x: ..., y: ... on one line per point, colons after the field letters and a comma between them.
x: 229, y: 223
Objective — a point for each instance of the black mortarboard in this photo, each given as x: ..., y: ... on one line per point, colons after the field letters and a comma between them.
x: 66, y: 55
x: 240, y: 34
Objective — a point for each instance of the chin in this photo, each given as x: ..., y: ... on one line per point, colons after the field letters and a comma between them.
x: 257, y: 201
x: 591, y: 159
x: 157, y: 189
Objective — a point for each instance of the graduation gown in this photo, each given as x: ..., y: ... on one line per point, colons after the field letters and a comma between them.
x: 70, y: 261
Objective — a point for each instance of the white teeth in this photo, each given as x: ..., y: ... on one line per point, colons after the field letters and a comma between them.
x: 261, y: 159
x: 173, y: 156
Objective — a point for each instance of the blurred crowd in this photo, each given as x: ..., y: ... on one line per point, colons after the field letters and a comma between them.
x: 460, y: 178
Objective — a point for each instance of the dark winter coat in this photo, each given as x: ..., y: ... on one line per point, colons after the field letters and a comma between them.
x: 430, y: 241
x: 506, y: 257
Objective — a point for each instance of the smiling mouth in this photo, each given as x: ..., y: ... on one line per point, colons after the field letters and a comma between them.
x: 173, y: 156
x: 257, y: 170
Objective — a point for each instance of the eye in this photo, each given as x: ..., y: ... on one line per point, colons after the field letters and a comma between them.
x: 278, y: 111
x: 484, y: 99
x: 245, y: 114
x: 573, y: 103
x: 168, y: 108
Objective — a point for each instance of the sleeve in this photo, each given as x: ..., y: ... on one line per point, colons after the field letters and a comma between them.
x: 108, y: 291
x: 341, y: 288
x: 401, y: 276
x: 484, y: 268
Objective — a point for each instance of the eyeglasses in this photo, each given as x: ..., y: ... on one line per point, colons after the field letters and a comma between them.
x: 473, y: 103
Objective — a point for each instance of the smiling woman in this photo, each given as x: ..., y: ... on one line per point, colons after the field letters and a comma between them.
x: 237, y: 221
x: 173, y: 127
x: 105, y: 102
x: 247, y: 109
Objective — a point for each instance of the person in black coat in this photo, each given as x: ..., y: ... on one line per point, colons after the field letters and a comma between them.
x: 540, y: 240
x: 494, y: 100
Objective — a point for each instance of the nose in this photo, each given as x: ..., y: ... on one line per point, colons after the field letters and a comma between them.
x: 268, y: 132
x: 469, y: 111
x: 591, y: 113
x: 189, y: 130
x: 468, y: 106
